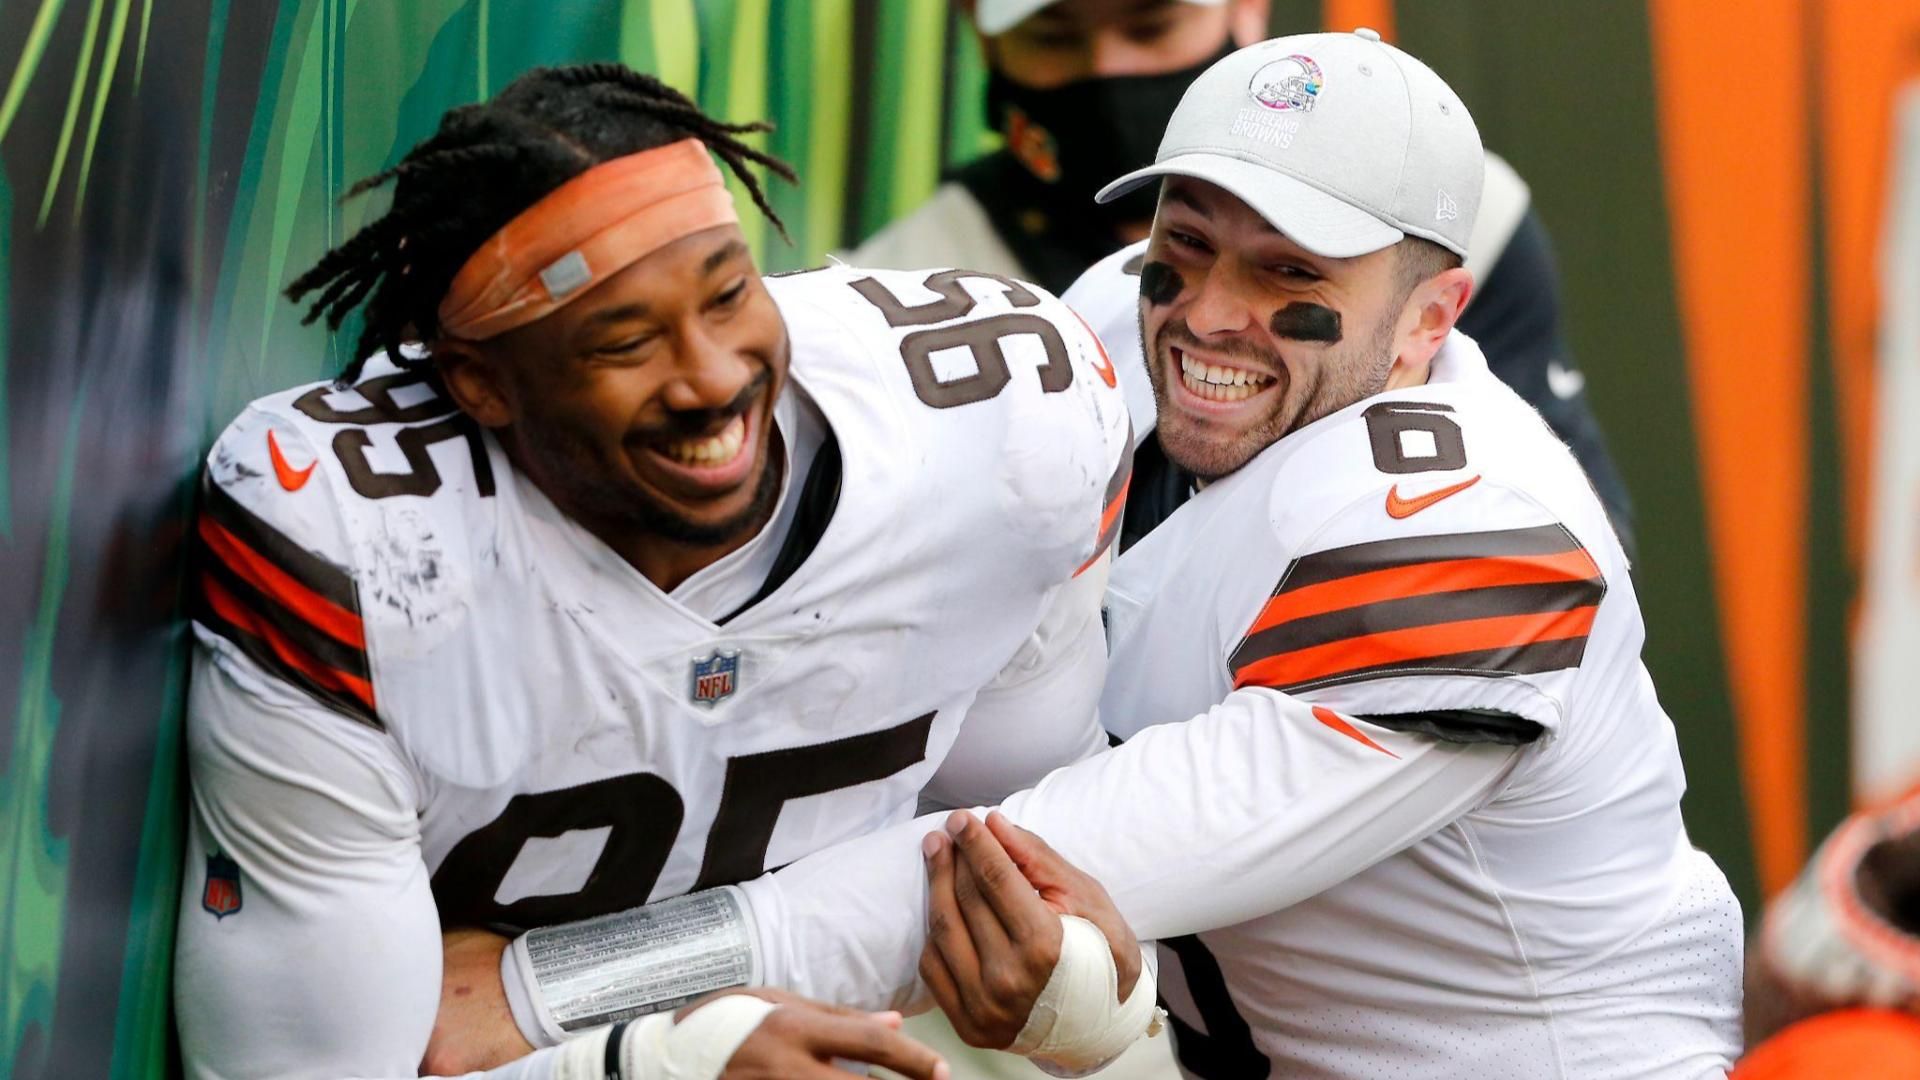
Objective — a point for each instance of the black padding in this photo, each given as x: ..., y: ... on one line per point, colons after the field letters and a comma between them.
x: 1463, y: 726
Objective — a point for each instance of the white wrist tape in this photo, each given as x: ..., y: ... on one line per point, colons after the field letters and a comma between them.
x: 1079, y: 1023
x: 655, y: 1048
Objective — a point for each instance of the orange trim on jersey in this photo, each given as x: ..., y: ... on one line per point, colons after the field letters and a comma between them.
x: 1414, y: 643
x: 1339, y: 723
x: 1111, y: 516
x: 1105, y: 367
x: 257, y: 571
x: 1109, y: 521
x: 1115, y: 502
x: 235, y: 613
x: 1424, y: 579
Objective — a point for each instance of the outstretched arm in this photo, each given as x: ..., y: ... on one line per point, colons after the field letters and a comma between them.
x: 1260, y: 802
x: 1244, y: 810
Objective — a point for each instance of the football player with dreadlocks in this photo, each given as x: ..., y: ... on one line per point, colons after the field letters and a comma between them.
x: 614, y: 573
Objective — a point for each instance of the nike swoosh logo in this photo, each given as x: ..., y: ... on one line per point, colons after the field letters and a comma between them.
x: 1339, y: 723
x: 290, y: 478
x: 1564, y: 381
x: 1398, y: 507
x: 1105, y: 369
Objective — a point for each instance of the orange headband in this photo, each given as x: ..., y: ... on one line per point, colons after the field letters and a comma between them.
x: 585, y: 231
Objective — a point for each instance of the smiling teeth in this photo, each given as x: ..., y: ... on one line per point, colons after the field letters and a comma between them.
x: 1217, y: 383
x: 712, y: 450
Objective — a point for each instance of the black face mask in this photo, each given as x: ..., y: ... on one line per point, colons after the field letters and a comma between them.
x: 1079, y: 137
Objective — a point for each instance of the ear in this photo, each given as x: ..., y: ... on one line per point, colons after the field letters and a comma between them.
x: 1431, y: 311
x: 475, y: 381
x: 1251, y: 21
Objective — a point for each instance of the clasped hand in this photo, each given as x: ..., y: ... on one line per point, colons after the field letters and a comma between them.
x: 995, y: 894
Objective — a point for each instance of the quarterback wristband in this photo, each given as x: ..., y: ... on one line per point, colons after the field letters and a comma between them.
x: 650, y: 959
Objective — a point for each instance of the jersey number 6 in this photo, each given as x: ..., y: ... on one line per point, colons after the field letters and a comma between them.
x: 981, y: 337
x: 1414, y: 437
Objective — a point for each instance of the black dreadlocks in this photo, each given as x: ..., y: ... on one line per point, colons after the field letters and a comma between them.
x: 486, y: 164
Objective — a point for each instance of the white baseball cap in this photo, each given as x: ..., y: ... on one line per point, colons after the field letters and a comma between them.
x: 1000, y: 16
x: 1341, y: 141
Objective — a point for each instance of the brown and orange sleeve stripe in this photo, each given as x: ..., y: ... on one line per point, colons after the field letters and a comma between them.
x: 1113, y: 505
x: 288, y: 610
x: 1508, y: 602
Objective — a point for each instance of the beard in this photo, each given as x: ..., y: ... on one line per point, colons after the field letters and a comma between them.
x: 1336, y: 377
x: 586, y: 481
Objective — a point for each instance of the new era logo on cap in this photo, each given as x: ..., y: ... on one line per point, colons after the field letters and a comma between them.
x: 1445, y: 209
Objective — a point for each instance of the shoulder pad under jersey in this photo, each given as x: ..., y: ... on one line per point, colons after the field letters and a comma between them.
x: 996, y: 383
x: 1433, y: 532
x: 328, y: 510
x: 1108, y: 297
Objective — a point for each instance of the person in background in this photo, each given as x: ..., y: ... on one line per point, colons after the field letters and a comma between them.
x: 1833, y: 977
x: 1082, y: 89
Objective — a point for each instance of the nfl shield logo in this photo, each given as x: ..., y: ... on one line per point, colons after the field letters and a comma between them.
x: 221, y: 895
x: 715, y: 678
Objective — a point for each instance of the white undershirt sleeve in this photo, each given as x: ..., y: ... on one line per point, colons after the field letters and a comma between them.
x: 1041, y: 711
x: 329, y: 967
x: 1251, y: 807
x: 1258, y: 804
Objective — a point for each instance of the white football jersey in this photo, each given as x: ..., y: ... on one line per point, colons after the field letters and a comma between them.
x: 1433, y: 550
x: 1396, y: 797
x: 570, y: 739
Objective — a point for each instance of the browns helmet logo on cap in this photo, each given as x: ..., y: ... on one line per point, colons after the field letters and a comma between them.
x: 1289, y: 84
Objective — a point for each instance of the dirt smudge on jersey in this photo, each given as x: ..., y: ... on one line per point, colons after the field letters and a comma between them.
x: 406, y: 571
x: 227, y: 468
